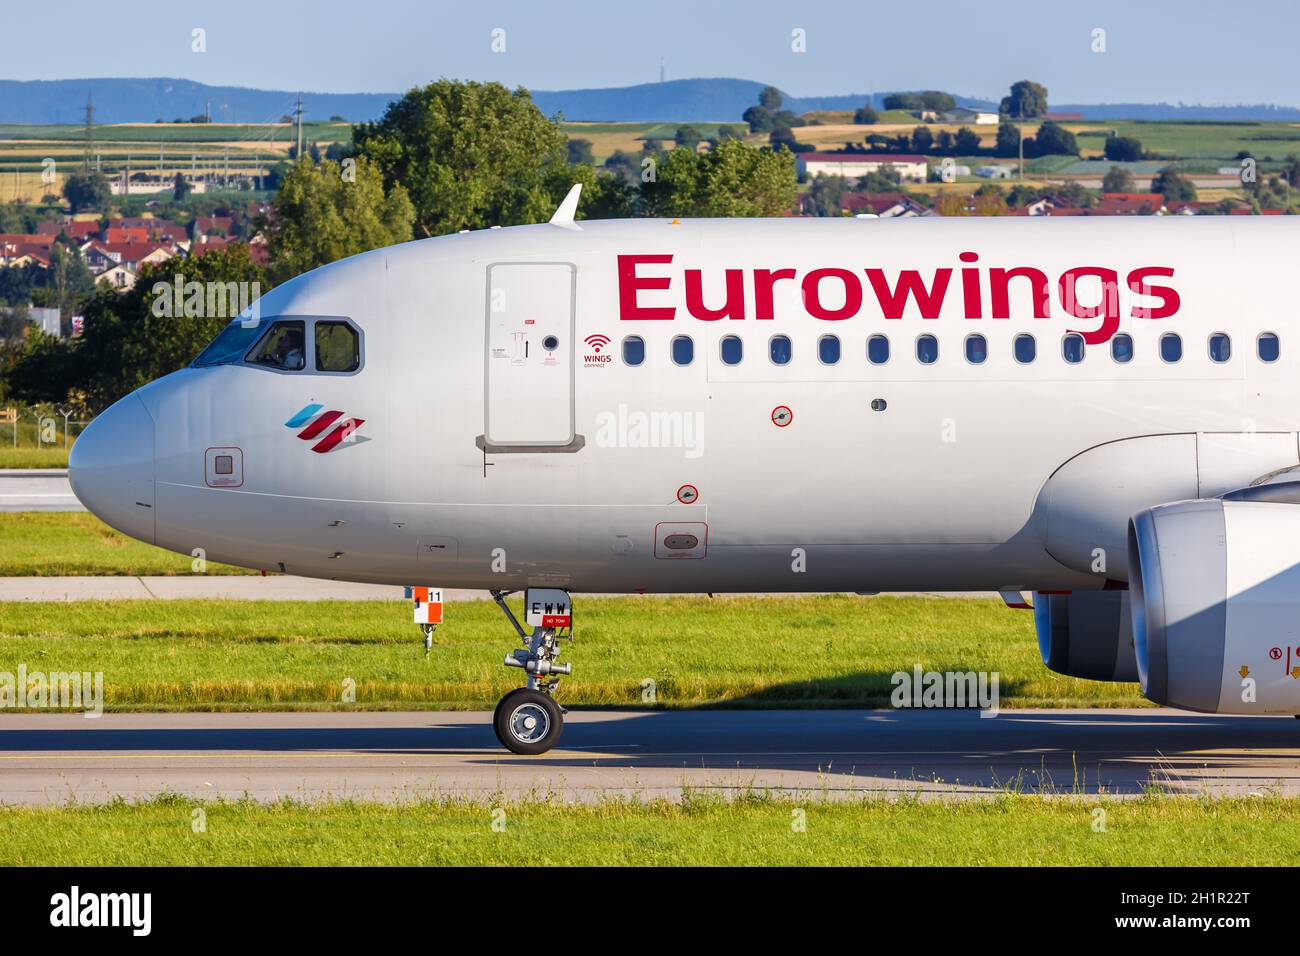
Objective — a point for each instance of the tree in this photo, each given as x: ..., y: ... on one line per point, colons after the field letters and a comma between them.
x: 580, y: 152
x: 1123, y: 149
x: 783, y: 138
x: 1117, y: 180
x: 1173, y: 185
x: 770, y: 99
x: 865, y: 116
x: 1008, y: 141
x: 824, y: 194
x: 735, y: 179
x: 321, y: 216
x: 67, y: 280
x: 127, y: 341
x: 967, y: 142
x: 1028, y: 100
x: 469, y: 155
x: 87, y: 189
x: 687, y: 137
x: 922, y: 139
x: 902, y: 101
x: 759, y: 119
x: 1053, y: 140
x: 180, y: 188
x: 937, y: 101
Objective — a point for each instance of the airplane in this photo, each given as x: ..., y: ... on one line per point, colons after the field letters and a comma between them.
x: 1096, y: 417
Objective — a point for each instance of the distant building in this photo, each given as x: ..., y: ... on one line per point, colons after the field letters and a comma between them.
x: 964, y: 114
x: 117, y: 277
x: 1131, y: 204
x: 47, y: 320
x: 881, y: 205
x: 853, y: 165
x: 211, y: 225
x: 995, y: 172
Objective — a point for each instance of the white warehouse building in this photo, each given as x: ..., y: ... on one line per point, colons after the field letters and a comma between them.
x: 852, y: 165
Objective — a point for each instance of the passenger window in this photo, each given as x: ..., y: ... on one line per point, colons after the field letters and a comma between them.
x: 977, y: 349
x: 683, y: 350
x: 927, y: 349
x: 878, y: 350
x: 731, y: 349
x: 282, y: 347
x: 1171, y: 347
x: 634, y: 350
x: 780, y: 349
x: 1121, y: 347
x: 1220, y: 347
x: 1072, y: 348
x: 1269, y: 347
x: 1025, y: 349
x: 338, y: 347
x: 828, y: 349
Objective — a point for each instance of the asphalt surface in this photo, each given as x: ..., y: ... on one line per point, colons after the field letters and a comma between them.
x: 37, y: 490
x: 52, y: 759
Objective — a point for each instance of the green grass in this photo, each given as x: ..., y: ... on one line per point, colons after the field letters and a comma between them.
x: 57, y: 543
x: 1203, y: 140
x: 816, y: 651
x: 51, y: 456
x: 1011, y: 830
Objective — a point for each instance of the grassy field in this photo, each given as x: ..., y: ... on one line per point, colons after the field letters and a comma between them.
x: 45, y: 543
x: 51, y: 456
x: 1012, y: 830
x: 816, y: 651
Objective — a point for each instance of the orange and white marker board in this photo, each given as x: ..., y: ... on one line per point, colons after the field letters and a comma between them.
x: 428, y: 605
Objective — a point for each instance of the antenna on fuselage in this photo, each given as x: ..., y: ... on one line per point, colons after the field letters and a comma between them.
x: 564, y: 215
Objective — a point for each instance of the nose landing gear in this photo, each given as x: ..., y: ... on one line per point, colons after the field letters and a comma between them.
x: 528, y: 720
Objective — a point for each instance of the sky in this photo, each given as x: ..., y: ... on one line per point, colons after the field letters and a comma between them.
x: 1190, y: 51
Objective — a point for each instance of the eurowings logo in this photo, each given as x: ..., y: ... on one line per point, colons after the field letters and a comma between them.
x: 318, y: 423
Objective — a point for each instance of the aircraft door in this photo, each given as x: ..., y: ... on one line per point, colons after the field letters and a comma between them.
x: 530, y: 353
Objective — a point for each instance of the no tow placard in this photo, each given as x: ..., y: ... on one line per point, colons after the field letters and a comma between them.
x: 547, y: 607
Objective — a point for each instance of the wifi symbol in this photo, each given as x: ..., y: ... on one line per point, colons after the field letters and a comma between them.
x: 597, y: 341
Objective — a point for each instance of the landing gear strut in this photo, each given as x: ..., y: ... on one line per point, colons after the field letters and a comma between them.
x: 528, y: 720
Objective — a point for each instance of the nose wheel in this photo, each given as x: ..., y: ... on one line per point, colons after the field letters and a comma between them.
x: 528, y: 721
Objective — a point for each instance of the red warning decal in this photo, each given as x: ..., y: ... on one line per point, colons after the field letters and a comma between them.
x: 782, y: 416
x: 688, y: 494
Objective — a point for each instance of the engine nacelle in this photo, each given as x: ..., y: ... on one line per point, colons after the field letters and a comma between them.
x: 1086, y: 634
x: 1215, y: 596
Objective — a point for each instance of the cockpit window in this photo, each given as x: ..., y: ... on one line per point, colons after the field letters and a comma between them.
x: 231, y: 343
x: 283, y: 347
x: 338, y: 347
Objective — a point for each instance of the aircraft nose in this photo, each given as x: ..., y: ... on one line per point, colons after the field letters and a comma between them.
x: 111, y: 468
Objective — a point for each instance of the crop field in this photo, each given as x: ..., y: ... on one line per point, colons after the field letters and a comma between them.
x: 206, y: 149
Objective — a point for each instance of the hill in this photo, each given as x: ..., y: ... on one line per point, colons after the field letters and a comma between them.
x: 144, y: 100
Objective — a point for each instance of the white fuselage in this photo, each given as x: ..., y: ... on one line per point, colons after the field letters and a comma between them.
x: 487, y: 459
